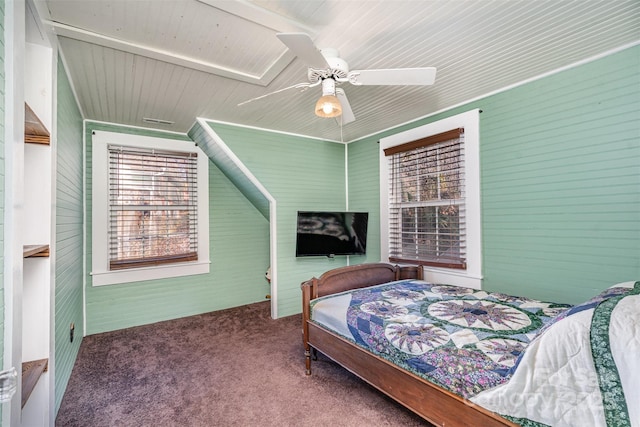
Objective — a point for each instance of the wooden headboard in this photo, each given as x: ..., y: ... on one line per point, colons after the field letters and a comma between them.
x: 359, y: 276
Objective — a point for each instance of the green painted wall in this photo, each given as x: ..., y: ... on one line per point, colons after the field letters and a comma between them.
x: 238, y: 261
x: 364, y: 193
x: 560, y: 172
x: 301, y: 174
x: 69, y: 233
x: 560, y: 200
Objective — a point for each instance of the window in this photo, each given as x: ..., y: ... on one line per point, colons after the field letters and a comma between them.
x: 430, y: 199
x: 149, y: 208
x: 153, y: 213
x: 426, y: 201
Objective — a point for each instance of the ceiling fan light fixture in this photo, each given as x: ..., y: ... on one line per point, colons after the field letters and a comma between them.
x: 328, y: 106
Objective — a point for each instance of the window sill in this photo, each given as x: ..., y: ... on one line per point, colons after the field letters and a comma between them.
x: 452, y: 277
x: 102, y: 278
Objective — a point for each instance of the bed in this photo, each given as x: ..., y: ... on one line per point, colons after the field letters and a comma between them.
x: 464, y: 357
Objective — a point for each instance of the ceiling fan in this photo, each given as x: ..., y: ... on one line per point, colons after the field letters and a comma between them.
x: 328, y: 70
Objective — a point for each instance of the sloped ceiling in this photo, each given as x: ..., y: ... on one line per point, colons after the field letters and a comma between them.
x: 176, y: 60
x: 204, y: 136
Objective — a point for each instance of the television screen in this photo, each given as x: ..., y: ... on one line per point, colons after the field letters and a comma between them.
x: 331, y: 233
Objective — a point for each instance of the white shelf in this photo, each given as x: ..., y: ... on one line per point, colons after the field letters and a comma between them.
x: 37, y: 234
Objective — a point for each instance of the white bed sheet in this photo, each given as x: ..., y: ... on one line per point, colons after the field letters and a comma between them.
x: 332, y: 313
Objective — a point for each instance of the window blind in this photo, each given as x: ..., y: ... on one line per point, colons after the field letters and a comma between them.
x: 427, y: 201
x: 152, y: 207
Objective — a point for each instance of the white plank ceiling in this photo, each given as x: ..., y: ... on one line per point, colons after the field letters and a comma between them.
x: 176, y: 60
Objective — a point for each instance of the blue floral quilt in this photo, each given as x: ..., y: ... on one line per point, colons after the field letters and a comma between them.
x: 462, y: 339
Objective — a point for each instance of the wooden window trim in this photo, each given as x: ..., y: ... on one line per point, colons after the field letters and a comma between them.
x: 452, y: 265
x: 151, y: 262
x: 424, y: 142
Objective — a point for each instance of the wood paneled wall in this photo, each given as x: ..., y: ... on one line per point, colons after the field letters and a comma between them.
x: 237, y: 263
x: 69, y: 233
x: 301, y: 174
x: 560, y: 181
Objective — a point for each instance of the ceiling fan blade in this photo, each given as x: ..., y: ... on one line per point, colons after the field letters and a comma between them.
x: 302, y: 86
x: 393, y: 76
x: 302, y: 46
x: 347, y: 113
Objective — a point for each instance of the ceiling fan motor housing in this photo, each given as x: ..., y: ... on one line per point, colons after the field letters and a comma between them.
x: 328, y: 87
x: 338, y: 67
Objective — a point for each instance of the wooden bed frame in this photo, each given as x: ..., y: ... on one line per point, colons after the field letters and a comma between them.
x: 431, y: 402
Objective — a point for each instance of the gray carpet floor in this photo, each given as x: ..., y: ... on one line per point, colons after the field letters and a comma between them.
x: 235, y: 367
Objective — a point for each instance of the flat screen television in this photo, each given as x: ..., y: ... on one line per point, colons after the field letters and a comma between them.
x: 322, y: 233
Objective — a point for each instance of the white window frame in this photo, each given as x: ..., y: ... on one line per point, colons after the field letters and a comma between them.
x: 470, y: 121
x: 101, y: 275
